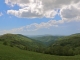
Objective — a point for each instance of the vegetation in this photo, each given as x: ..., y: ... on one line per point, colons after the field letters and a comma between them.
x: 19, y: 47
x: 9, y: 53
x: 20, y: 41
x: 66, y: 46
x: 47, y: 40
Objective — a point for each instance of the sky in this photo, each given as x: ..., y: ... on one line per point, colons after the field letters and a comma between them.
x: 40, y: 17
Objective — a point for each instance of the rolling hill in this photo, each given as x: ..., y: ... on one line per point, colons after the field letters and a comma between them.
x: 69, y: 45
x: 13, y: 53
x: 72, y: 40
x: 20, y: 41
x: 63, y: 46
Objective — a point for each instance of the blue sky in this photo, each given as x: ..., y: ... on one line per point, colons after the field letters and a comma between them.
x: 40, y: 17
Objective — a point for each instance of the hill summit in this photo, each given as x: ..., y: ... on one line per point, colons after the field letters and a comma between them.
x: 20, y: 41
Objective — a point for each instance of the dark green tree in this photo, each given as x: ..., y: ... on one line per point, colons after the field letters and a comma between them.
x: 5, y: 43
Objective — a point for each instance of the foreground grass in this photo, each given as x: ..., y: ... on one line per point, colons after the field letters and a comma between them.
x: 13, y: 53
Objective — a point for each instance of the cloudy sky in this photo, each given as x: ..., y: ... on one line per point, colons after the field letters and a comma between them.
x: 40, y: 17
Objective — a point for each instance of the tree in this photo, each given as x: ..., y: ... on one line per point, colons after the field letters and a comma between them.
x: 11, y: 45
x: 5, y: 43
x: 77, y: 50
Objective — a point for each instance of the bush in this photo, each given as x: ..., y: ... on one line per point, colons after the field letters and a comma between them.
x: 5, y: 43
x: 11, y: 44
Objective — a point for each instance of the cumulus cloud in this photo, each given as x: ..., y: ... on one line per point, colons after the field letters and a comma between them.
x: 68, y: 10
x: 43, y: 8
x: 30, y: 9
x: 16, y: 2
x: 51, y: 4
x: 22, y: 13
x: 71, y: 12
x: 47, y: 4
x: 35, y: 27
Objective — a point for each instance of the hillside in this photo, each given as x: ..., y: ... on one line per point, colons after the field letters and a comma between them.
x: 47, y: 39
x: 69, y: 45
x: 13, y: 53
x: 20, y: 41
x: 63, y: 46
x: 72, y: 40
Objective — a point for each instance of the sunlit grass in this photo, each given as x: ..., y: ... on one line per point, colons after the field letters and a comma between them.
x: 13, y: 53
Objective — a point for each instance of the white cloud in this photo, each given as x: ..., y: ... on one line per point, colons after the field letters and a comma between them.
x: 1, y: 13
x: 15, y: 30
x: 51, y: 4
x: 30, y: 9
x: 43, y: 8
x: 47, y: 4
x: 70, y: 12
x: 50, y: 13
x: 35, y: 26
x: 24, y: 13
x: 17, y: 2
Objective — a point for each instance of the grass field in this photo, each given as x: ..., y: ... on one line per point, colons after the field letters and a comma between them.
x: 13, y: 53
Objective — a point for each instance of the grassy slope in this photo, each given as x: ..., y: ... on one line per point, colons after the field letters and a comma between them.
x: 16, y: 37
x: 19, y: 40
x: 13, y: 53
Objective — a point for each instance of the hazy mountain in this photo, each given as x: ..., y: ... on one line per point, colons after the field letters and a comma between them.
x: 47, y: 39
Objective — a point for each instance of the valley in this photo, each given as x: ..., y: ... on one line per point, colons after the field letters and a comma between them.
x: 20, y: 47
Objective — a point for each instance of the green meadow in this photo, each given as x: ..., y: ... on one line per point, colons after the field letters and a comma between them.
x: 14, y: 53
